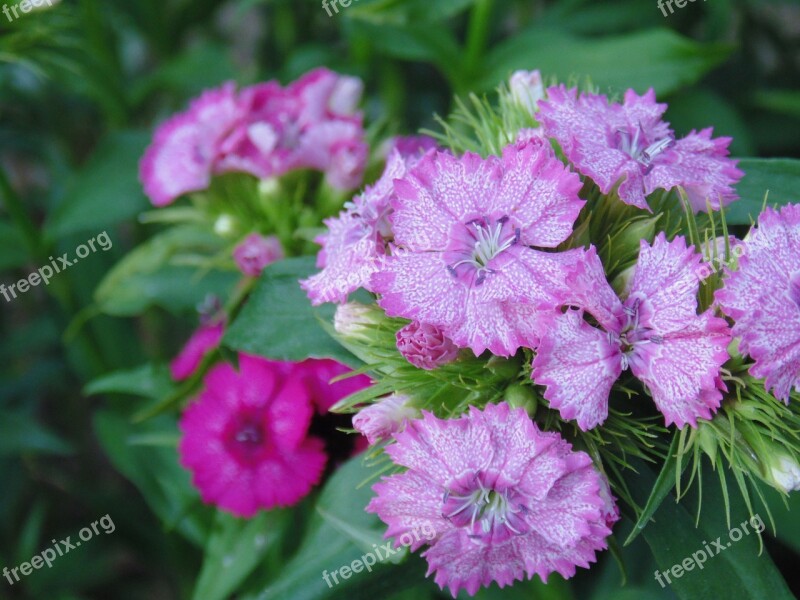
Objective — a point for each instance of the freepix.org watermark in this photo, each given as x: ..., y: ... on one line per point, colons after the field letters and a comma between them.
x: 60, y: 548
x: 699, y: 558
x: 25, y: 6
x: 667, y: 4
x: 46, y: 273
x: 378, y: 554
x: 328, y: 4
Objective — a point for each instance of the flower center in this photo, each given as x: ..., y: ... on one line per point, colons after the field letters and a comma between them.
x: 637, y: 147
x: 246, y: 439
x: 633, y: 334
x: 486, y: 513
x: 477, y: 243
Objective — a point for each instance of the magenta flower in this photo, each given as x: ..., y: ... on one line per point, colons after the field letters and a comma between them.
x: 411, y: 146
x: 203, y: 341
x: 186, y: 147
x: 384, y: 418
x: 255, y: 252
x: 628, y: 144
x: 317, y: 374
x: 656, y: 332
x: 245, y: 438
x: 763, y: 297
x: 425, y: 346
x: 465, y: 230
x: 504, y: 499
x: 355, y: 242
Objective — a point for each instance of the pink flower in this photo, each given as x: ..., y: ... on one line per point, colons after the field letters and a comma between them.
x: 656, y: 332
x: 255, y: 252
x: 245, y: 438
x: 265, y: 130
x: 355, y: 242
x: 425, y: 346
x: 317, y: 375
x: 186, y: 147
x: 203, y: 341
x: 504, y: 499
x: 628, y: 144
x: 311, y: 124
x: 465, y: 230
x: 763, y: 297
x: 411, y: 146
x: 384, y: 418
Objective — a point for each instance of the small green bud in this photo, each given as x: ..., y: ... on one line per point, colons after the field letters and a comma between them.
x: 522, y: 396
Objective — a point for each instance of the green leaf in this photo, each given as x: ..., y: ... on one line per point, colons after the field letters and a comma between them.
x: 778, y: 176
x: 278, y: 321
x: 20, y: 433
x: 147, y: 276
x: 106, y: 190
x: 738, y: 566
x: 664, y: 485
x: 12, y: 248
x: 148, y: 381
x: 155, y: 471
x: 328, y: 546
x: 235, y: 549
x: 658, y: 58
x: 416, y: 42
x: 404, y: 12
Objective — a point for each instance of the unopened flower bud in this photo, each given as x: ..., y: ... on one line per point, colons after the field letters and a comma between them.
x: 356, y: 321
x: 386, y: 417
x: 425, y: 346
x: 225, y: 225
x: 527, y: 89
x: 783, y: 472
x: 255, y: 252
x: 522, y: 396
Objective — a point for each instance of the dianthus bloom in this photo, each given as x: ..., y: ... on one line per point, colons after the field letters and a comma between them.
x: 202, y: 342
x: 656, y: 332
x: 504, y: 499
x: 425, y: 346
x: 265, y: 130
x: 628, y: 144
x: 384, y: 418
x: 465, y: 230
x: 355, y: 242
x: 255, y: 252
x: 527, y: 89
x: 763, y: 297
x: 245, y: 438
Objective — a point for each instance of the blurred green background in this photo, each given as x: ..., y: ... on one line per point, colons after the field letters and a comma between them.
x: 82, y: 85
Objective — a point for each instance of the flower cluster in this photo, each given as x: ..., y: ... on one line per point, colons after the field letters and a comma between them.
x: 540, y: 260
x: 265, y: 130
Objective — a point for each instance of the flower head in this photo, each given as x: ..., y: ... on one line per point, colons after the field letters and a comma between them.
x: 504, y: 499
x: 425, y: 346
x: 384, y: 418
x: 245, y: 438
x: 763, y: 297
x: 255, y: 252
x: 466, y: 230
x: 655, y: 332
x: 629, y: 144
